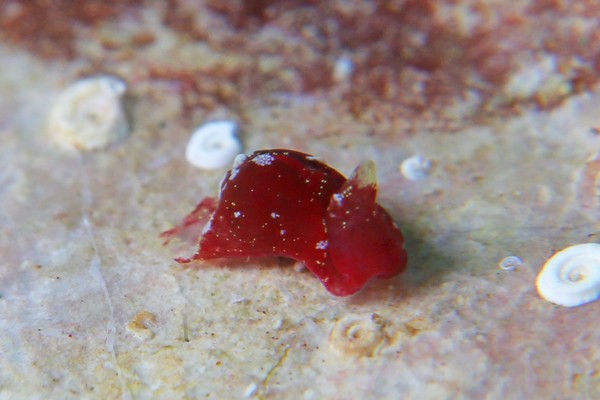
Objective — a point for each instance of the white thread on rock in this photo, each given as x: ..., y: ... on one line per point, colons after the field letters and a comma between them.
x: 95, y: 271
x: 251, y: 390
x: 263, y: 160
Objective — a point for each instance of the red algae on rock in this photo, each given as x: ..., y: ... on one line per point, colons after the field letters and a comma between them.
x: 417, y: 65
x: 48, y: 28
x: 412, y: 59
x: 287, y: 203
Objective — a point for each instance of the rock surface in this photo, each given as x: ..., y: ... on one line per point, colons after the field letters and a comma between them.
x: 91, y: 303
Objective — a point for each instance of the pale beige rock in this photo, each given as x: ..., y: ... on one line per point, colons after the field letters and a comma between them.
x: 80, y: 254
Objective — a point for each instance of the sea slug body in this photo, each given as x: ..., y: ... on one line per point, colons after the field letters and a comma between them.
x: 571, y: 277
x: 214, y: 145
x: 89, y: 114
x: 286, y: 203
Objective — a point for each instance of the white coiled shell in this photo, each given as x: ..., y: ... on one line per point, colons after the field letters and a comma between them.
x: 89, y: 114
x: 214, y: 145
x: 415, y: 168
x: 571, y: 277
x: 357, y: 336
x: 510, y: 263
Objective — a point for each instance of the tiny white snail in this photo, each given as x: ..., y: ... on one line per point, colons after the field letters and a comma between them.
x: 510, y: 263
x: 89, y: 114
x: 571, y: 277
x: 357, y: 336
x: 415, y: 168
x: 214, y: 145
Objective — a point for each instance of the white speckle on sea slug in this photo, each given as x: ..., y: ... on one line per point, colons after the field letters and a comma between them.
x: 322, y: 245
x: 263, y: 159
x: 89, y: 114
x: 338, y: 197
x: 510, y: 262
x: 214, y: 145
x: 415, y: 168
x: 274, y: 215
x: 571, y: 277
x: 237, y: 214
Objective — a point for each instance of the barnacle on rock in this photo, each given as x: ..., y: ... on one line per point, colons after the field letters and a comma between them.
x: 141, y: 325
x: 357, y: 336
x: 89, y: 114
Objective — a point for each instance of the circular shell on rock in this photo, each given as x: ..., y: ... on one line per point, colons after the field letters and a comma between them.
x: 571, y: 277
x: 510, y: 263
x: 89, y: 114
x: 359, y: 337
x: 415, y: 168
x: 214, y: 145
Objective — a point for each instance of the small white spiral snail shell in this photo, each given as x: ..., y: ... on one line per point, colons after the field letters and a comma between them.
x: 415, y: 168
x: 214, y: 145
x: 89, y: 114
x: 356, y: 336
x: 571, y: 277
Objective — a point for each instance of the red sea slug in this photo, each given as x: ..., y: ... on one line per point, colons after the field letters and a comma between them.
x: 287, y: 203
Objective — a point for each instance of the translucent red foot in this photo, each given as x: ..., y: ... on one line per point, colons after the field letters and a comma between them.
x: 190, y: 229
